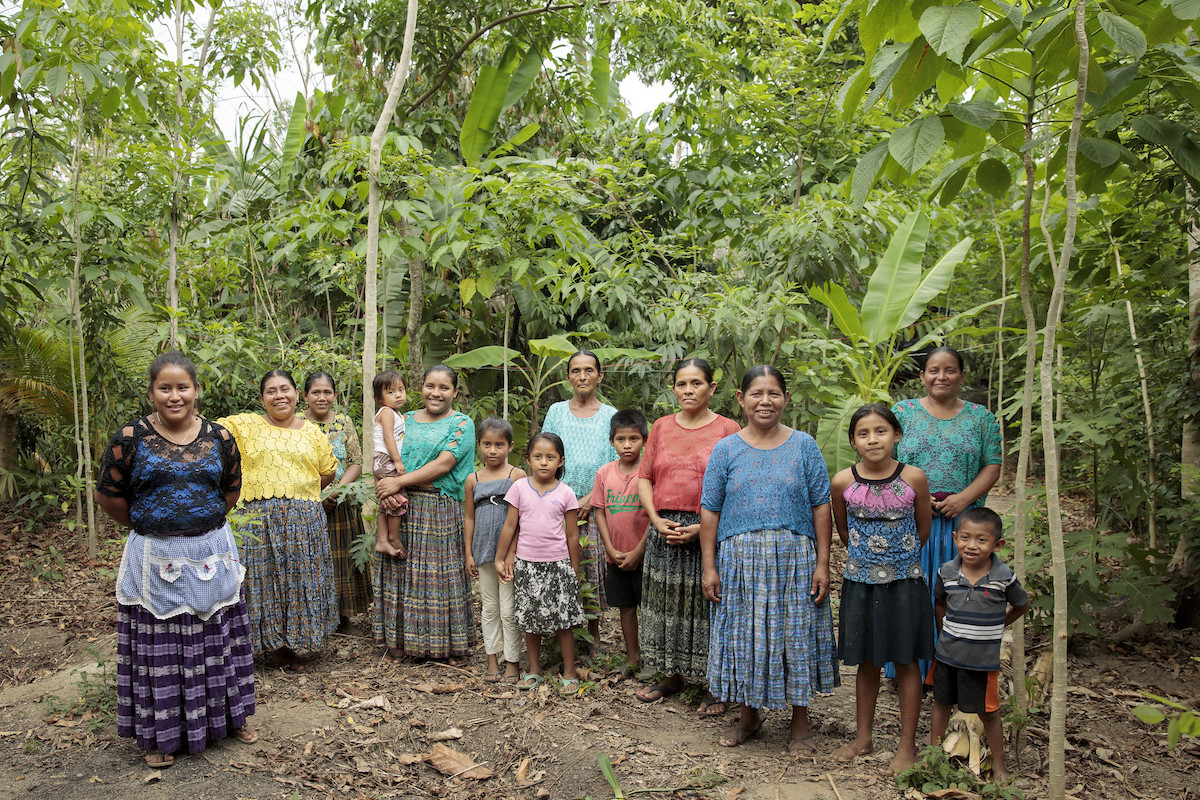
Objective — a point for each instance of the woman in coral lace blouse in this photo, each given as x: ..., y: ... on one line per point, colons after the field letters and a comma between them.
x: 674, y: 613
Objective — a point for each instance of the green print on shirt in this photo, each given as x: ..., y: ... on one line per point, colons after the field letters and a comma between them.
x: 618, y: 503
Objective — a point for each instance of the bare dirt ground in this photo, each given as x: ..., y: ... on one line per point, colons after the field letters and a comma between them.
x: 354, y: 725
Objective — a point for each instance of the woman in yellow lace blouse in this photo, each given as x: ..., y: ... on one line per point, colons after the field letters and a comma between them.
x: 286, y: 461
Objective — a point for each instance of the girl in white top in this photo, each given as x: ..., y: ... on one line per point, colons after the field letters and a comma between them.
x: 391, y: 393
x: 544, y: 568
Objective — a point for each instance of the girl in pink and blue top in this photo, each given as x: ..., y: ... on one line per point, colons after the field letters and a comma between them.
x: 544, y: 568
x: 883, y: 513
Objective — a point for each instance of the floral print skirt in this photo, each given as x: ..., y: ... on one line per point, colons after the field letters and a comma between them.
x: 546, y: 596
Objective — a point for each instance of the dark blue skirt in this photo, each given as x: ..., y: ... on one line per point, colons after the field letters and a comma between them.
x: 882, y: 622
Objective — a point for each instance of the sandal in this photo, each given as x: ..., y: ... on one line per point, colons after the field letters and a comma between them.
x: 663, y: 689
x: 245, y: 735
x: 738, y: 735
x: 164, y: 760
x: 492, y: 677
x: 569, y: 686
x: 707, y: 703
x: 510, y: 678
x: 529, y: 681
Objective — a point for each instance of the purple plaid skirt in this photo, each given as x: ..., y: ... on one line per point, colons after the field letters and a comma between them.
x: 183, y: 681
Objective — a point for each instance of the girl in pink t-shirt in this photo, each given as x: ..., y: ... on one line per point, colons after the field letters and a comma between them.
x: 544, y: 568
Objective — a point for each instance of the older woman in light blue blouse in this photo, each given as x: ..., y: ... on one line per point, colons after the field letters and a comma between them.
x: 766, y: 501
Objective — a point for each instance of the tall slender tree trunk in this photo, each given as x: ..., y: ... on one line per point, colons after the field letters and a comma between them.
x: 83, y: 435
x: 1024, y: 448
x: 508, y: 300
x: 371, y: 304
x: 412, y: 323
x: 176, y: 138
x: 1058, y: 696
x: 998, y: 359
x: 1181, y: 561
x: 1147, y: 412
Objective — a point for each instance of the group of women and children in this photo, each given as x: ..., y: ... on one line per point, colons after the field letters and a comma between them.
x: 712, y: 538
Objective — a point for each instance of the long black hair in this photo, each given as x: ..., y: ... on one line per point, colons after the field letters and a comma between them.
x: 874, y: 408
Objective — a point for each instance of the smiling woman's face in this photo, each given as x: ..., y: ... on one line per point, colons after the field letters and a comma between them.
x: 942, y: 377
x: 438, y: 393
x: 279, y: 398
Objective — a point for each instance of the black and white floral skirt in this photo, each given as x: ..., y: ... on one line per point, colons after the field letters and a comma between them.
x: 546, y: 596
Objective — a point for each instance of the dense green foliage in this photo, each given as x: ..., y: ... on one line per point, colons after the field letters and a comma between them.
x: 739, y: 221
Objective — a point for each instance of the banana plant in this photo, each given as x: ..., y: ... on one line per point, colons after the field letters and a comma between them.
x: 547, y: 359
x: 897, y: 295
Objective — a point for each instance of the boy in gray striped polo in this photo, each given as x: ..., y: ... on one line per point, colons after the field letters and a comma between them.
x: 976, y: 596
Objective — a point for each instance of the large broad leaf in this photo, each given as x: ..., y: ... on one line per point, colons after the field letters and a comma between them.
x: 1159, y: 131
x: 487, y: 101
x: 490, y: 356
x: 523, y: 77
x: 522, y: 136
x: 845, y: 315
x: 865, y: 172
x: 1125, y: 34
x: 993, y: 177
x: 948, y: 29
x: 1186, y: 9
x: 979, y: 113
x: 890, y: 289
x: 1101, y: 151
x: 913, y: 145
x: 933, y: 283
x: 294, y: 140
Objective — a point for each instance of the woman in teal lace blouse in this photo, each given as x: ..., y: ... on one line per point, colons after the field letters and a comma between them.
x: 956, y: 444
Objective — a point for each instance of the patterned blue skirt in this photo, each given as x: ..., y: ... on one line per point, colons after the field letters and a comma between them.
x: 290, y: 589
x: 770, y: 645
x: 936, y: 551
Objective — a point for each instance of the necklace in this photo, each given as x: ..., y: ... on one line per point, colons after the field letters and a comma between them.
x: 158, y: 426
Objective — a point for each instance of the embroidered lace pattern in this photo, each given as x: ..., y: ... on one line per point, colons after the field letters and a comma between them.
x: 950, y: 452
x: 675, y: 459
x: 425, y: 441
x: 171, y: 488
x: 281, y: 462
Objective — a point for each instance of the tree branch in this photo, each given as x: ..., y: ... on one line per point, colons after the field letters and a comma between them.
x: 444, y: 75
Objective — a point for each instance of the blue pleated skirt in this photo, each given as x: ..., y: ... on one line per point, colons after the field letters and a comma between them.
x: 770, y: 646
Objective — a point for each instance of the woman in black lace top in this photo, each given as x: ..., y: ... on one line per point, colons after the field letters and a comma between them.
x: 185, y: 669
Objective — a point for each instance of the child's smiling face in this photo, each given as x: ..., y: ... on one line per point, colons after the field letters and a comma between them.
x: 976, y: 541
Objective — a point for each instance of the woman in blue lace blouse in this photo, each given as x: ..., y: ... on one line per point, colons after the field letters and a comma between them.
x: 185, y: 668
x: 766, y: 502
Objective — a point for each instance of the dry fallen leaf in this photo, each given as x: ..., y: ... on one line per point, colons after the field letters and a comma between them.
x: 446, y: 735
x: 455, y: 764
x: 733, y: 793
x: 440, y: 688
x: 361, y: 765
x: 953, y: 794
x: 153, y: 776
x: 405, y: 759
x: 523, y: 770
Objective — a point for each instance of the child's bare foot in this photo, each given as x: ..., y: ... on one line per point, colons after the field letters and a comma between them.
x: 906, y: 756
x: 382, y: 545
x: 401, y: 552
x: 853, y: 749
